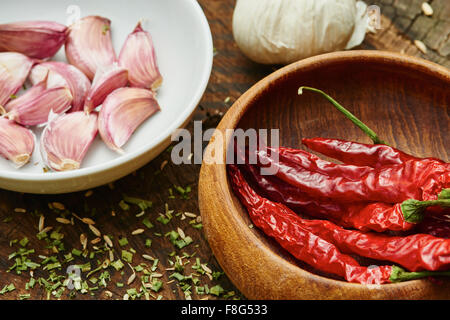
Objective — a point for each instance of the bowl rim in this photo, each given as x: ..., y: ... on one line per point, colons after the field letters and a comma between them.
x: 231, y: 120
x: 180, y: 121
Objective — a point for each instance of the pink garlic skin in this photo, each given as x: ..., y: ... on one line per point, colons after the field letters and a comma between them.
x: 138, y: 56
x: 89, y: 45
x: 36, y: 39
x: 105, y: 81
x: 63, y: 74
x: 14, y: 70
x: 122, y: 112
x: 16, y: 142
x: 66, y: 140
x: 34, y: 106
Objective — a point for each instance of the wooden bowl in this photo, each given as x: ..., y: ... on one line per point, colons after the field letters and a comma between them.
x: 404, y: 99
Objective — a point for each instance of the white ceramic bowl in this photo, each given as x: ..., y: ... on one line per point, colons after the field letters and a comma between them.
x: 184, y: 49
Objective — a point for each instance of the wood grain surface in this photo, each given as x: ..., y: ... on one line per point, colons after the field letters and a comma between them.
x: 401, y: 23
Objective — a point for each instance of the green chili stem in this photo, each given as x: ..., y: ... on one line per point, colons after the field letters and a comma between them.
x: 413, y: 209
x: 399, y: 274
x: 369, y: 132
x: 445, y: 194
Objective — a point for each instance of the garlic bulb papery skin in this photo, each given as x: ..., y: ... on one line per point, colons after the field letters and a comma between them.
x: 122, y: 112
x: 62, y: 74
x: 16, y: 142
x: 281, y: 32
x: 66, y: 139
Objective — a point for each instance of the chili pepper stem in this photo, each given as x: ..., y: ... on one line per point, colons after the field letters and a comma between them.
x: 399, y: 274
x: 369, y: 132
x: 445, y: 194
x: 413, y: 209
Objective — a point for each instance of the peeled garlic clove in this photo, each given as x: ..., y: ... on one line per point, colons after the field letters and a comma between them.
x: 105, y: 81
x: 138, y: 56
x: 14, y: 69
x: 16, y: 142
x: 35, y: 105
x: 89, y: 45
x: 66, y: 140
x: 36, y: 39
x: 122, y: 112
x: 63, y: 75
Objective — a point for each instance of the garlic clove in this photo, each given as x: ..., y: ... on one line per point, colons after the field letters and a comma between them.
x: 89, y: 45
x: 122, y: 112
x: 16, y: 142
x: 14, y: 69
x: 138, y: 56
x: 29, y: 95
x: 106, y: 80
x: 63, y: 75
x: 67, y: 138
x: 35, y: 105
x: 36, y: 39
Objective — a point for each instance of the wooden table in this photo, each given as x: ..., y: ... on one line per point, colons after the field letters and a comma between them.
x: 172, y: 189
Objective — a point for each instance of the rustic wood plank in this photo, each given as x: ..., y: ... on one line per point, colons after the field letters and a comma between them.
x: 232, y: 74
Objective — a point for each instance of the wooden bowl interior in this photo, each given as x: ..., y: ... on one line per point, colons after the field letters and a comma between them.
x: 405, y: 100
x: 408, y: 109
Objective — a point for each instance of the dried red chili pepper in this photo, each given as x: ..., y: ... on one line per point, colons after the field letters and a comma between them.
x: 360, y: 154
x: 429, y: 187
x: 377, y: 156
x: 375, y: 216
x: 415, y: 252
x: 391, y: 184
x: 283, y: 225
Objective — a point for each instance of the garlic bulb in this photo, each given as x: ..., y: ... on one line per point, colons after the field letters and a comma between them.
x: 281, y: 32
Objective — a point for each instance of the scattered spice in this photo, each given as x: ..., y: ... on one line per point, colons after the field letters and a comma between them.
x: 427, y: 9
x: 95, y: 262
x: 421, y: 46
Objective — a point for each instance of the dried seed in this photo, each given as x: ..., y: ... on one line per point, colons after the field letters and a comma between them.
x: 137, y: 231
x: 41, y: 223
x: 163, y: 164
x: 105, y: 263
x: 427, y: 9
x: 131, y: 278
x: 157, y: 275
x: 88, y: 221
x: 181, y: 233
x: 46, y: 229
x: 140, y: 214
x: 83, y: 241
x: 147, y: 257
x: 63, y: 220
x: 58, y: 205
x: 421, y: 46
x: 111, y: 255
x: 108, y: 241
x: 95, y: 230
x: 205, y: 267
x: 96, y: 240
x: 190, y: 215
